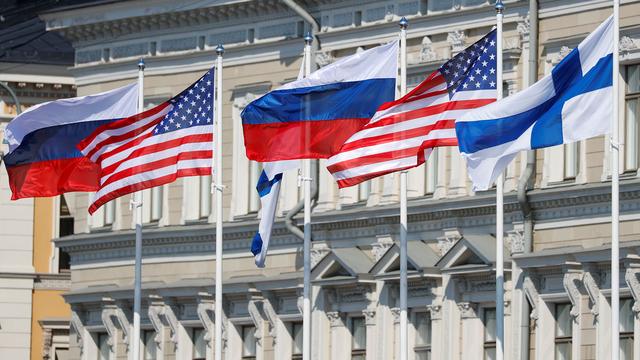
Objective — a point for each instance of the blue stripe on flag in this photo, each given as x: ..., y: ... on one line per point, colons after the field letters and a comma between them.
x: 256, y: 244
x: 547, y: 131
x: 264, y: 184
x: 345, y: 100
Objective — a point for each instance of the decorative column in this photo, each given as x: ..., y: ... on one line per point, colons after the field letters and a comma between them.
x: 435, y: 313
x: 472, y: 328
x: 337, y: 329
x: 631, y: 277
x: 370, y: 322
x: 517, y: 329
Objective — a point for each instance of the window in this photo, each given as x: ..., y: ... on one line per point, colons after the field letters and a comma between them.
x: 632, y: 116
x: 65, y: 228
x: 571, y: 160
x: 489, y: 333
x: 422, y: 347
x: 296, y: 343
x: 103, y: 346
x: 626, y: 329
x: 152, y: 204
x: 205, y: 196
x: 249, y: 342
x: 150, y: 347
x: 431, y: 176
x: 564, y: 329
x: 358, y: 330
x: 255, y: 168
x: 104, y: 216
x: 199, y: 344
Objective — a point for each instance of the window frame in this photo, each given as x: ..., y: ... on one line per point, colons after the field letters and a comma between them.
x: 631, y: 96
x: 565, y: 339
x: 419, y: 348
x: 192, y: 336
x: 295, y: 324
x: 252, y: 329
x: 626, y: 335
x: 488, y: 344
x: 358, y: 352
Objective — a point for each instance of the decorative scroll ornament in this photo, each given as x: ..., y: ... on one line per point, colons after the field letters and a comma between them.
x: 572, y: 278
x: 380, y: 247
x: 531, y: 292
x: 516, y: 240
x: 627, y: 44
x: 111, y: 312
x: 324, y: 58
x: 427, y: 54
x: 435, y: 311
x: 446, y: 242
x: 631, y: 278
x: 456, y: 40
x: 159, y: 314
x: 590, y: 281
x: 467, y: 309
x: 77, y: 325
x: 369, y: 316
x: 335, y: 318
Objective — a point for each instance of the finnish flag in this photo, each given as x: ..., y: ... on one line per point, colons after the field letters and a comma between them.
x: 573, y: 103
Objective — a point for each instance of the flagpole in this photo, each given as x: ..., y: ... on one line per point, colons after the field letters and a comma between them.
x: 136, y: 205
x: 306, y: 300
x: 499, y: 204
x: 615, y: 194
x: 217, y: 189
x: 403, y: 205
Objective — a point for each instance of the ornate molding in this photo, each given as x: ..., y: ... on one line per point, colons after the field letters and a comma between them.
x: 160, y: 314
x: 78, y: 327
x: 632, y: 270
x: 427, y: 54
x: 318, y: 252
x: 380, y: 247
x: 590, y: 280
x: 516, y: 241
x: 456, y: 40
x: 435, y: 311
x: 256, y: 316
x: 369, y: 316
x: 271, y: 317
x: 467, y: 309
x: 335, y: 318
x: 111, y: 311
x: 324, y: 58
x: 446, y: 242
x: 570, y: 281
x: 395, y: 313
x: 531, y: 292
x: 628, y: 44
x: 206, y: 311
x: 524, y: 27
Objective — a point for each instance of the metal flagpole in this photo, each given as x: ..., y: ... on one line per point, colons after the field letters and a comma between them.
x: 306, y: 301
x: 499, y: 205
x: 615, y: 194
x: 216, y: 188
x: 136, y: 206
x: 403, y: 205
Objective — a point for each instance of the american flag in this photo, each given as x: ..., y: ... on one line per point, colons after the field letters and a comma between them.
x: 403, y: 133
x: 155, y: 147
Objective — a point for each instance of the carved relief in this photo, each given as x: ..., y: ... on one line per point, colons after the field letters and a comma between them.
x: 335, y: 318
x: 435, y: 310
x: 570, y: 282
x: 78, y: 327
x: 206, y: 314
x: 467, y: 309
x: 531, y: 292
x: 627, y: 44
x: 324, y: 58
x: 456, y: 40
x: 256, y: 318
x: 112, y: 313
x: 380, y: 247
x: 516, y: 241
x: 446, y: 242
x: 427, y: 53
x: 631, y: 278
x: 159, y: 314
x: 318, y: 252
x: 395, y: 312
x: 271, y: 317
x: 590, y: 280
x: 369, y: 316
x: 524, y: 27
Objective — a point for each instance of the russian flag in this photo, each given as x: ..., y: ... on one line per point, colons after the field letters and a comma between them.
x: 43, y: 159
x: 314, y: 116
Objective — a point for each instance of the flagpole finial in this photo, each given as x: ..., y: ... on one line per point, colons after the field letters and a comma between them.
x: 219, y: 49
x: 499, y: 7
x: 141, y: 64
x: 308, y: 39
x: 403, y: 23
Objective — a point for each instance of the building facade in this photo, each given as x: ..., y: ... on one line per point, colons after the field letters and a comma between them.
x: 34, y: 318
x: 557, y: 280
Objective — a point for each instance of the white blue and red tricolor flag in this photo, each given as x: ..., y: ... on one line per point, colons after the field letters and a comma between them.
x: 574, y: 103
x: 312, y: 117
x: 403, y: 133
x: 43, y: 159
x: 155, y: 147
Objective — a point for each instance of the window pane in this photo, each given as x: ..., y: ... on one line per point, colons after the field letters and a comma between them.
x: 255, y: 169
x: 103, y: 346
x: 296, y: 329
x: 439, y: 5
x: 199, y: 344
x: 563, y: 351
x: 626, y: 348
x: 358, y: 334
x: 423, y: 329
x: 248, y: 341
x: 633, y: 79
x: 150, y: 346
x: 631, y: 135
x: 489, y: 324
x: 490, y: 353
x: 626, y: 315
x: 564, y: 322
x: 205, y: 196
x: 423, y: 355
x: 156, y: 203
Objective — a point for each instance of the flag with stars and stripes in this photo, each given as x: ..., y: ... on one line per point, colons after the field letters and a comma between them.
x: 155, y: 147
x: 403, y: 133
